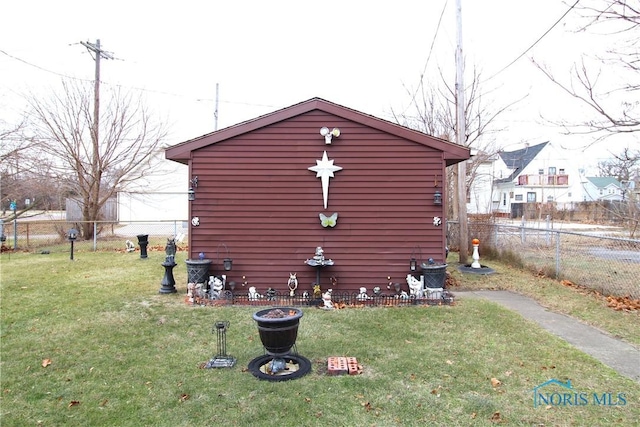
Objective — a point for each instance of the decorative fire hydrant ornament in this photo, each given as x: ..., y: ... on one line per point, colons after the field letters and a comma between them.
x: 476, y: 255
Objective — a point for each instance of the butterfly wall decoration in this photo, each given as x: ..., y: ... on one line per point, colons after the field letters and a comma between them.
x: 328, y: 221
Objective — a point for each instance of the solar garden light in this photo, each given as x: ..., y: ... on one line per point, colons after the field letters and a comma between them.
x: 413, y: 262
x: 227, y: 262
x: 72, y: 235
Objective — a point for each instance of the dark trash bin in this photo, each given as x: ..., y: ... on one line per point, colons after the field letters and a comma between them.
x: 434, y: 275
x: 198, y: 270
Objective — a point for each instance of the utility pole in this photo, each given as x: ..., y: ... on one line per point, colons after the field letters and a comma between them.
x: 215, y: 113
x: 99, y: 53
x: 461, y: 186
x: 95, y: 168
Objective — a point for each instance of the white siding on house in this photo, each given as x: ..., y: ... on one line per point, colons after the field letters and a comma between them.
x: 162, y: 198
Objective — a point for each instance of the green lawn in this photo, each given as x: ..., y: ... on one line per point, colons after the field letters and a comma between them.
x: 123, y: 355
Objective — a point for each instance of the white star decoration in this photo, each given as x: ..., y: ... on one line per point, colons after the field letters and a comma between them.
x: 324, y: 170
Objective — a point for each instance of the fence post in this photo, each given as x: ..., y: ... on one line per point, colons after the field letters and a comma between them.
x: 95, y: 236
x: 547, y: 234
x: 557, y: 255
x: 15, y: 230
x: 522, y: 231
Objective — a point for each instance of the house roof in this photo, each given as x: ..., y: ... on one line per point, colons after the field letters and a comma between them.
x: 604, y: 181
x: 519, y: 159
x: 453, y: 153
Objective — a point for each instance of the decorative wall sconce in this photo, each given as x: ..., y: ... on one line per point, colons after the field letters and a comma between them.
x: 191, y: 192
x: 328, y: 134
x: 413, y: 262
x: 437, y: 198
x: 227, y: 262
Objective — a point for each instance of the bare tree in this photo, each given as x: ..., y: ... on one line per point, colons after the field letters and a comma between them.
x: 16, y: 165
x: 616, y: 108
x: 93, y: 171
x: 621, y: 166
x: 433, y: 112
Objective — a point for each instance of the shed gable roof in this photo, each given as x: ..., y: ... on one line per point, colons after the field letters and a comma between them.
x: 453, y: 153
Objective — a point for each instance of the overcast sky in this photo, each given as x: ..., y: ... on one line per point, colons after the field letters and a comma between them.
x: 366, y: 55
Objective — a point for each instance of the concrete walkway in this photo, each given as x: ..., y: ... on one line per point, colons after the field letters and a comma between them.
x: 622, y: 357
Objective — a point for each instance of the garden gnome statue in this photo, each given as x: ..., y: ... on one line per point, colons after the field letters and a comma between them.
x: 476, y: 255
x: 326, y: 299
x: 319, y: 255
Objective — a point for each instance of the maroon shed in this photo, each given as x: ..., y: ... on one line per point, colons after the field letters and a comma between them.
x: 257, y: 194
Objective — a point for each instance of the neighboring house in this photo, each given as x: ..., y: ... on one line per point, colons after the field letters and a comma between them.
x: 159, y: 196
x: 537, y: 174
x: 481, y: 187
x: 272, y: 189
x: 602, y: 188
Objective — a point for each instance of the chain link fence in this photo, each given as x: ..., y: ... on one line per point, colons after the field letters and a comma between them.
x: 605, y: 263
x: 595, y: 259
x: 51, y: 236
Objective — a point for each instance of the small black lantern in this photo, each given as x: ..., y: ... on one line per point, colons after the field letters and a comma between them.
x: 227, y: 263
x: 72, y: 235
x: 413, y: 264
x: 437, y: 198
x: 192, y: 192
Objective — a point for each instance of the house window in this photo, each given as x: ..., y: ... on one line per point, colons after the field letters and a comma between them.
x: 601, y: 192
x: 552, y: 170
x: 511, y: 194
x: 540, y: 171
x: 569, y: 194
x: 518, y: 197
x: 561, y: 171
x: 549, y: 198
x: 522, y: 180
x: 531, y: 197
x: 504, y: 199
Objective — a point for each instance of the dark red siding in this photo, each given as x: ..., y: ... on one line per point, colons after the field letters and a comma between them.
x: 256, y: 195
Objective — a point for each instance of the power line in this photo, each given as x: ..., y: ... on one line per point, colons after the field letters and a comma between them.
x: 42, y: 68
x: 537, y: 41
x: 433, y: 42
x: 140, y: 89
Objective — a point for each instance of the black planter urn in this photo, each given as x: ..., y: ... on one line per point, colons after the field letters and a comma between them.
x: 143, y: 241
x: 278, y: 329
